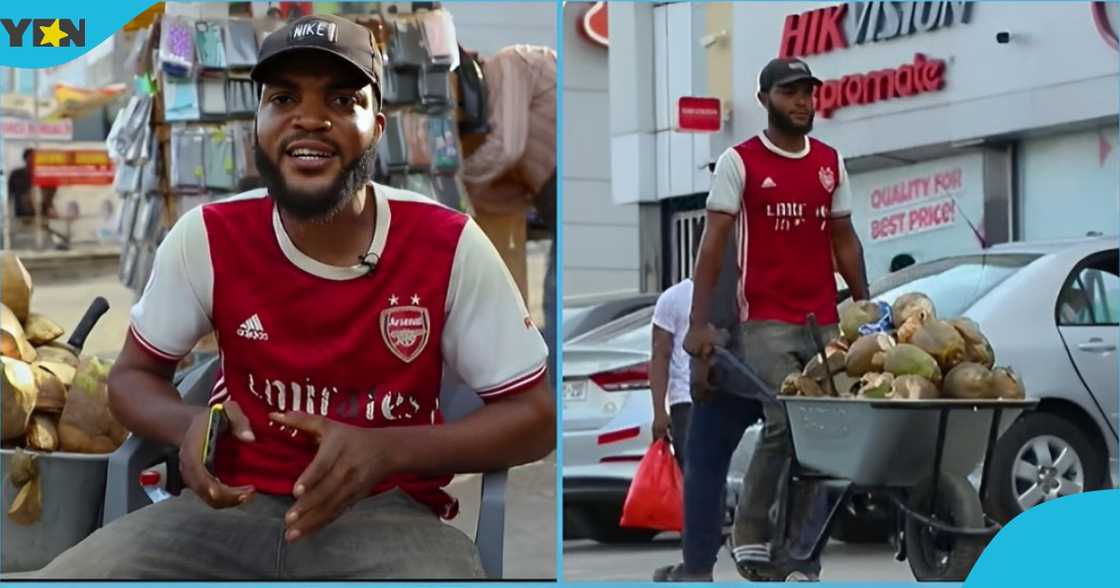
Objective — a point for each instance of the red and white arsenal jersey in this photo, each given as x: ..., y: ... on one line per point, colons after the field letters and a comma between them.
x: 784, y: 202
x: 366, y: 349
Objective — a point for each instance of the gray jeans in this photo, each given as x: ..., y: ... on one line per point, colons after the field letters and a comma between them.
x: 775, y: 350
x: 385, y: 537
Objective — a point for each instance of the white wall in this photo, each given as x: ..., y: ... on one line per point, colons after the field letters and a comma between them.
x: 600, y: 237
x: 1067, y: 189
x: 1057, y: 69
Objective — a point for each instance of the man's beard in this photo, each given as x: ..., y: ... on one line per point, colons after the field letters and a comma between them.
x: 319, y: 205
x: 785, y: 124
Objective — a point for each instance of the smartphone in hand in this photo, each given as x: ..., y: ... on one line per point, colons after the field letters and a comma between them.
x: 218, y: 423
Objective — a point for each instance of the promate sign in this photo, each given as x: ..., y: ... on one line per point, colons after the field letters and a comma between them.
x: 839, y: 27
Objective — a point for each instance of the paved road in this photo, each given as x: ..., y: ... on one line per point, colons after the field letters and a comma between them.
x: 587, y: 560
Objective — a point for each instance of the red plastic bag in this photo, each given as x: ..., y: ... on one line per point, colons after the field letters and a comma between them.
x: 655, y: 497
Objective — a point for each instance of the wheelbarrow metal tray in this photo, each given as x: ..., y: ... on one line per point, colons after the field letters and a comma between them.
x: 891, y: 442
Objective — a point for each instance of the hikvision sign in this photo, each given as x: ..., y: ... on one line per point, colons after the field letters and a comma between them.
x: 839, y: 27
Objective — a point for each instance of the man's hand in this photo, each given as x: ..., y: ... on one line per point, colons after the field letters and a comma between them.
x: 347, y: 466
x: 660, y: 424
x: 700, y: 376
x: 700, y: 340
x: 195, y: 476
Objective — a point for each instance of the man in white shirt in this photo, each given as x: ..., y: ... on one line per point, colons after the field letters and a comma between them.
x: 669, y: 367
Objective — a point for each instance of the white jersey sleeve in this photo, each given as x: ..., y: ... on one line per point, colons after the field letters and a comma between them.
x: 726, y: 195
x: 175, y: 309
x: 842, y: 199
x: 489, y: 341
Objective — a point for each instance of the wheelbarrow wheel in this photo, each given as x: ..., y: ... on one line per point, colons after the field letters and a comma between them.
x: 936, y: 555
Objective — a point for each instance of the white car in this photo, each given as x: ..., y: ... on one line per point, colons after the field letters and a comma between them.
x: 608, y: 413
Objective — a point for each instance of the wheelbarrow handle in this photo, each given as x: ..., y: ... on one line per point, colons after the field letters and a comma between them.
x: 749, y: 384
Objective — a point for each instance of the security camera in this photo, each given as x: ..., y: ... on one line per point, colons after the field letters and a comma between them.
x: 1003, y: 37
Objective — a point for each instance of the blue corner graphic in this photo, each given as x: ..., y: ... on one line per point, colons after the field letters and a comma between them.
x: 46, y: 34
x: 1067, y: 542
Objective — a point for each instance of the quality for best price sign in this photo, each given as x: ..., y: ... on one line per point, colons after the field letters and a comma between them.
x: 61, y: 167
x: 917, y: 204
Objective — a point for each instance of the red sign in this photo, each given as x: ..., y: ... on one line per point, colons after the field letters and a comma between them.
x: 593, y: 24
x: 698, y: 115
x: 920, y: 219
x: 908, y: 80
x: 916, y: 189
x: 57, y: 167
x: 13, y: 128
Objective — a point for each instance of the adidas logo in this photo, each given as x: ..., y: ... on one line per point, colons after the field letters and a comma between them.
x: 769, y: 183
x: 253, y: 329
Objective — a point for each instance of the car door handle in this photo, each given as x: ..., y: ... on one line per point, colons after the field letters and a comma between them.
x: 1096, y: 346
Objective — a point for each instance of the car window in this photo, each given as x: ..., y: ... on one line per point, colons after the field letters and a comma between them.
x: 955, y: 283
x: 631, y: 332
x: 1091, y: 295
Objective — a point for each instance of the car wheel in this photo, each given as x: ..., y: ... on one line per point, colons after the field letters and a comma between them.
x: 1040, y: 458
x: 604, y: 527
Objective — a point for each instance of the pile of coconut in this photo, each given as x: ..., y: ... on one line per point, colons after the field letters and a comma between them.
x: 905, y: 352
x: 52, y: 400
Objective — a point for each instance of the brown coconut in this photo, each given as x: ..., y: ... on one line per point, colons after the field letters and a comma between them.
x: 19, y: 394
x: 42, y: 433
x: 41, y: 330
x: 15, y: 284
x: 51, y: 395
x: 977, y: 348
x: 1007, y: 384
x: 909, y: 305
x: 815, y: 368
x: 27, y: 506
x: 941, y: 340
x: 87, y: 425
x: 914, y: 388
x: 861, y: 357
x: 969, y: 381
x: 57, y: 353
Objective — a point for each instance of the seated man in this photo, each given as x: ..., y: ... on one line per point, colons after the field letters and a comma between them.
x: 337, y: 304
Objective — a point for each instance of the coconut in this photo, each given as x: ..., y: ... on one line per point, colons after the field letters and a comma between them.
x: 16, y: 346
x: 913, y: 388
x: 789, y: 385
x: 856, y: 315
x: 19, y: 394
x: 874, y: 385
x: 908, y: 329
x: 836, y: 345
x: 42, y: 433
x: 9, y: 321
x: 41, y: 330
x: 941, y: 340
x: 910, y: 360
x: 64, y: 372
x: 51, y: 395
x: 28, y: 504
x: 1007, y: 384
x: 861, y: 356
x: 24, y: 467
x: 846, y: 386
x: 54, y: 352
x: 977, y: 348
x: 815, y: 368
x: 969, y: 381
x: 909, y: 305
x: 15, y: 285
x: 87, y: 425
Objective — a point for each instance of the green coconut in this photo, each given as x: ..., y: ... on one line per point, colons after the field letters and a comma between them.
x: 909, y: 305
x: 914, y: 388
x: 969, y: 381
x: 874, y: 385
x: 942, y: 341
x: 862, y: 355
x: 1007, y: 384
x: 856, y: 315
x: 909, y: 360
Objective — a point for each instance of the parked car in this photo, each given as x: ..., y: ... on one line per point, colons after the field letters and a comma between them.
x: 588, y: 313
x: 607, y: 418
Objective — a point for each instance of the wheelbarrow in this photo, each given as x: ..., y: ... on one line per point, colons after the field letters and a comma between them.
x: 917, y: 453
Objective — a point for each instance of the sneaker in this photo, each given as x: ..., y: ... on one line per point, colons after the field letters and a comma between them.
x: 796, y: 576
x: 676, y: 573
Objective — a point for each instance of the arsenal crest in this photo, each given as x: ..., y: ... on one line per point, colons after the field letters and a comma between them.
x: 405, y: 331
x: 828, y: 179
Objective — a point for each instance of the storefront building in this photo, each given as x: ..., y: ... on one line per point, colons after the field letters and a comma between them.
x: 962, y: 123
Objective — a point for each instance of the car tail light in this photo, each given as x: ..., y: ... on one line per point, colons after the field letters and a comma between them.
x: 627, y: 378
x: 619, y: 435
